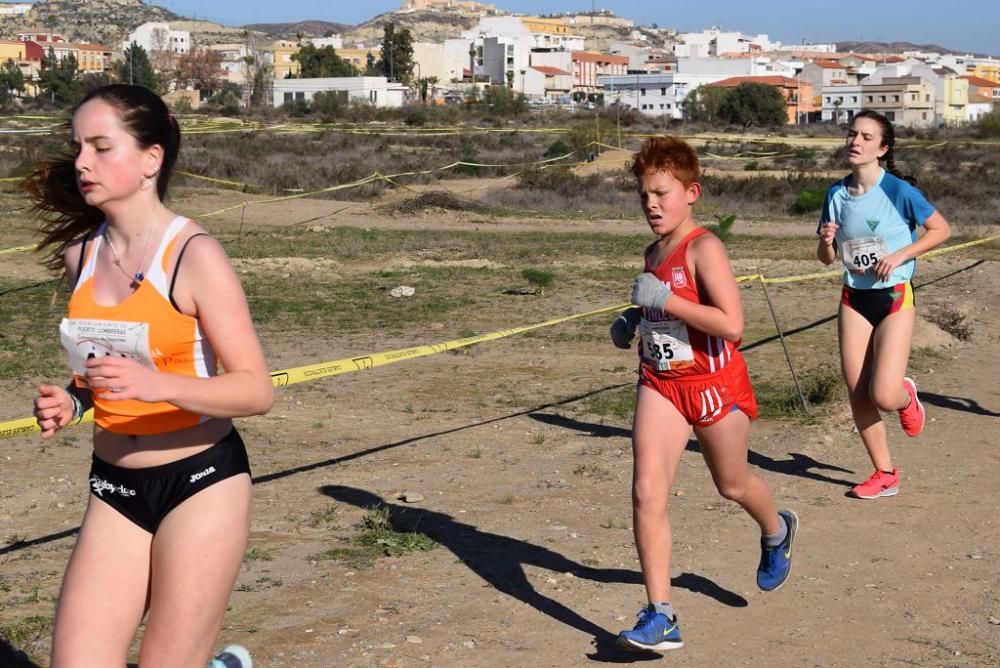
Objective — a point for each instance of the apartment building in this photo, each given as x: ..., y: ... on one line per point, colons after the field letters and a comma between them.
x: 584, y: 66
x: 951, y: 92
x: 905, y: 101
x: 279, y: 55
x: 839, y: 104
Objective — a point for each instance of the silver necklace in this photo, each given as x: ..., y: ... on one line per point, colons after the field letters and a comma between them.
x: 138, y: 276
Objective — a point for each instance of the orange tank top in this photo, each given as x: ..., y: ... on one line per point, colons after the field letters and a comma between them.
x: 145, y: 327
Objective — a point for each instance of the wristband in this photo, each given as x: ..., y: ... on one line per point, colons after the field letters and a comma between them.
x: 77, y: 406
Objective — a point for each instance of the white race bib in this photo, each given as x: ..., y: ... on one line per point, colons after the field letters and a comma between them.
x: 83, y: 339
x: 666, y: 345
x: 863, y: 254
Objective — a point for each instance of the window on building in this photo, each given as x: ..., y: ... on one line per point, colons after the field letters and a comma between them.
x: 924, y: 115
x: 927, y: 97
x: 829, y: 100
x: 854, y: 98
x: 881, y: 98
x: 890, y: 115
x: 373, y: 96
x: 895, y: 98
x: 663, y: 92
x: 642, y: 91
x: 868, y: 98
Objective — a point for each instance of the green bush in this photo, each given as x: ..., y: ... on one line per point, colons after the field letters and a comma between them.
x: 558, y: 148
x: 808, y: 201
x: 989, y: 125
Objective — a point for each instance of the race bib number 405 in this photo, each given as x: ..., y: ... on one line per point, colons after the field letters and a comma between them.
x: 863, y: 254
x: 666, y: 345
x: 83, y: 339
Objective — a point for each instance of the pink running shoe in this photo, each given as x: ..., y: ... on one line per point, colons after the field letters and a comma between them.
x: 912, y: 417
x: 878, y: 484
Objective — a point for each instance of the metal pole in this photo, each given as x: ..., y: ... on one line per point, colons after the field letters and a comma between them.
x: 781, y: 336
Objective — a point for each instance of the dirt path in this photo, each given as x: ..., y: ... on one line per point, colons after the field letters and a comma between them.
x: 525, y: 491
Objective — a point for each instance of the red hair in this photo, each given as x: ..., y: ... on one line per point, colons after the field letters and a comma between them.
x: 667, y: 154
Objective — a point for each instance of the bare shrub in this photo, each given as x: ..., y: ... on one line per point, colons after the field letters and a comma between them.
x: 952, y: 321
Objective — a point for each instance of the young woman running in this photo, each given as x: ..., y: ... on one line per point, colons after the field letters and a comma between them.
x: 871, y: 218
x: 154, y: 305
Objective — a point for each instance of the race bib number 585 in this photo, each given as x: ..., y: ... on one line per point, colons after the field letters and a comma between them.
x: 666, y: 345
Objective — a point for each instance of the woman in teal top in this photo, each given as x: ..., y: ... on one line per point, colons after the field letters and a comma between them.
x: 871, y: 217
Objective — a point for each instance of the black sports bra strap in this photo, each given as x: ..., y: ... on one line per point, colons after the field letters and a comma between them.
x: 177, y: 265
x: 83, y: 257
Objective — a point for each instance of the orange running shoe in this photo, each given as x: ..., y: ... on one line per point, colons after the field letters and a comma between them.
x: 912, y: 417
x: 878, y: 484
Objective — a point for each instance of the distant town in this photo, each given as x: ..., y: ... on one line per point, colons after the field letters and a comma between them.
x: 545, y: 59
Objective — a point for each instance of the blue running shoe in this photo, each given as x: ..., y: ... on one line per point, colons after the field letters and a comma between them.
x: 776, y: 562
x: 234, y: 656
x: 653, y: 632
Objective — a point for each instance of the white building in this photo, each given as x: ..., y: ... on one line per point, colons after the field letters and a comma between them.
x: 336, y: 41
x: 233, y: 61
x: 14, y: 8
x: 440, y: 61
x: 154, y: 36
x: 840, y: 103
x: 723, y: 68
x: 715, y: 42
x: 655, y: 94
x: 650, y: 94
x: 664, y: 94
x: 376, y: 91
x: 502, y: 44
x: 979, y: 105
x: 541, y: 82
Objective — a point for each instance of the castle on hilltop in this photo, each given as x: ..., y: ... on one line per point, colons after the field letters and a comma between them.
x: 463, y: 6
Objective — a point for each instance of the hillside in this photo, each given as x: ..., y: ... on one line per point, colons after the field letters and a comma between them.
x: 305, y: 28
x: 889, y: 47
x: 425, y: 26
x: 108, y: 21
x: 101, y: 21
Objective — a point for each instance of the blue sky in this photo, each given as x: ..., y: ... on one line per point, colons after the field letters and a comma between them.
x: 961, y: 25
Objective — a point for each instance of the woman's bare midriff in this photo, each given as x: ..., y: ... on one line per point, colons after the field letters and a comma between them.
x: 139, y: 452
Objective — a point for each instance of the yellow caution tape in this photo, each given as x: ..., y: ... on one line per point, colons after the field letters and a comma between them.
x: 310, y: 372
x: 213, y: 179
x: 16, y: 249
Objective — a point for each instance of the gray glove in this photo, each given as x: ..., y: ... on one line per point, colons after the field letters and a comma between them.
x: 649, y: 291
x: 623, y: 328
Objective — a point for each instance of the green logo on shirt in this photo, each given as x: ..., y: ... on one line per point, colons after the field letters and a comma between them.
x: 872, y: 223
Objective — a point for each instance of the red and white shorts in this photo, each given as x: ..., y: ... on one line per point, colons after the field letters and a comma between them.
x: 705, y: 399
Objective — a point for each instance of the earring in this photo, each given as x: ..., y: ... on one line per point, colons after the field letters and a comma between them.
x: 147, y: 181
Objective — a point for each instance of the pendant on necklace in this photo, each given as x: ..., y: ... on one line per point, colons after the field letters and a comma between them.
x: 138, y: 277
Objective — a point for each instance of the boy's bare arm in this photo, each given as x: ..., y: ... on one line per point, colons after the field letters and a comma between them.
x: 721, y: 314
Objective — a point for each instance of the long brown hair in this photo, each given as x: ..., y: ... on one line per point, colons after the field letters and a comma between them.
x: 52, y: 184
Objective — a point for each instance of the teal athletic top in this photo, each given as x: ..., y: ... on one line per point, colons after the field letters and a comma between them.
x: 873, y: 225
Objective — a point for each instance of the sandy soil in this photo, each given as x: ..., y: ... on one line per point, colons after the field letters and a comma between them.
x: 535, y: 563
